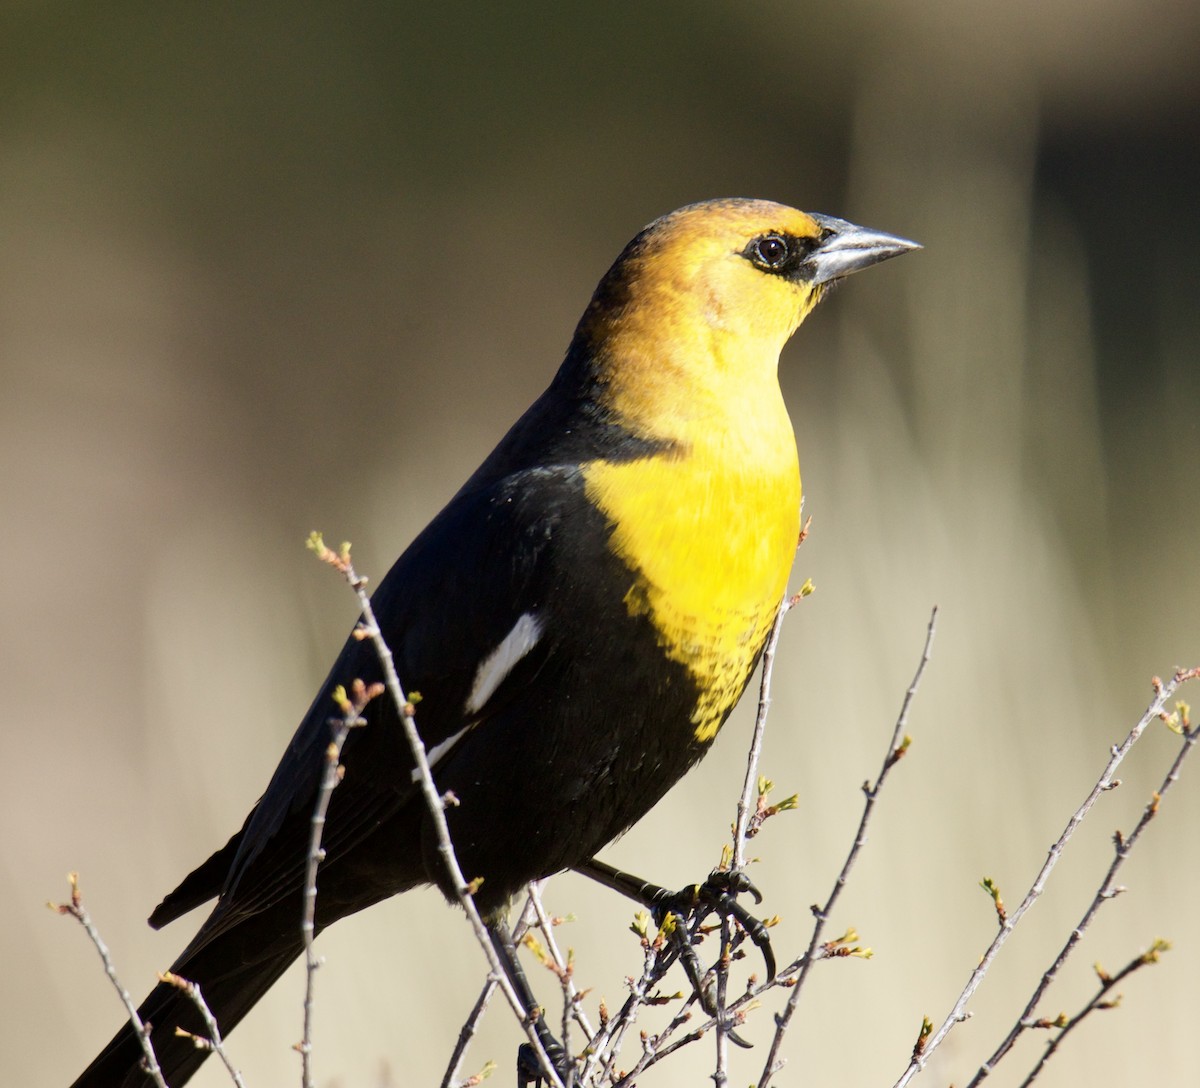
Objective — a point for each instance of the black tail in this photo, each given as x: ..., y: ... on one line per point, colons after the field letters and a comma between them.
x: 234, y: 967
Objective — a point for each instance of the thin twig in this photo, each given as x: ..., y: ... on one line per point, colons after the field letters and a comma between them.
x: 720, y: 1076
x: 656, y: 1047
x: 897, y: 746
x: 1108, y: 889
x: 1100, y: 1000
x: 78, y: 911
x: 532, y: 913
x: 562, y: 967
x: 607, y: 1045
x: 659, y: 953
x: 958, y: 1013
x: 434, y: 802
x: 741, y: 825
x: 750, y: 785
x: 352, y: 709
x: 214, y: 1042
x: 470, y: 1026
x: 466, y: 1033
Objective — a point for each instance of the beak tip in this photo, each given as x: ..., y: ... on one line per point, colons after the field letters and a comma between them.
x: 850, y: 248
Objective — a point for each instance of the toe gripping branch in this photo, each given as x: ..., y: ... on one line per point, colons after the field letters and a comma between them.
x: 717, y: 895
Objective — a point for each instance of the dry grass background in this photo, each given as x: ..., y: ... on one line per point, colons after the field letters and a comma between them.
x: 265, y: 271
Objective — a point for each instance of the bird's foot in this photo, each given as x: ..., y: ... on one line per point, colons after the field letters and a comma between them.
x: 529, y: 1067
x: 717, y: 895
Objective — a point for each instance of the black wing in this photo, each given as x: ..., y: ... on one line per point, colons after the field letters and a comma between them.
x: 445, y: 606
x: 494, y: 554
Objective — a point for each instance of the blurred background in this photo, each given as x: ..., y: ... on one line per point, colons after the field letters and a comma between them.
x: 284, y: 267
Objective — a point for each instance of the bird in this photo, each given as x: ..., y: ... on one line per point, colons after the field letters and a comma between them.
x: 579, y: 619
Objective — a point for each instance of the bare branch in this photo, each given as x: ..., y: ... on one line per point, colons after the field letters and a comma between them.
x: 1108, y: 889
x: 560, y: 964
x: 213, y: 1042
x: 659, y: 952
x: 466, y: 1033
x: 352, y: 706
x: 78, y: 911
x: 720, y: 1077
x: 749, y: 786
x: 1100, y: 1000
x: 897, y: 746
x: 1105, y: 782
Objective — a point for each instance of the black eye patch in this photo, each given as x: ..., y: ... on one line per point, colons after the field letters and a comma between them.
x: 777, y: 252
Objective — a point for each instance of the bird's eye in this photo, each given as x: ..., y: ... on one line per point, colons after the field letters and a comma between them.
x: 770, y: 252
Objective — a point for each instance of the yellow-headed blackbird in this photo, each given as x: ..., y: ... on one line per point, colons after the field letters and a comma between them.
x: 579, y: 620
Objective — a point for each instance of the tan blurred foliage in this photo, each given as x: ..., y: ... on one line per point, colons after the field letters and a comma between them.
x: 298, y: 267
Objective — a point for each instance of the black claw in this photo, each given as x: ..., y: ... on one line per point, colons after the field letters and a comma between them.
x: 733, y: 882
x: 704, y: 993
x: 719, y: 895
x: 734, y: 1037
x: 755, y: 930
x: 529, y: 1069
x: 693, y: 970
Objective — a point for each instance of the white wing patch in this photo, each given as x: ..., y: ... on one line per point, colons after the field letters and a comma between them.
x: 502, y: 660
x: 434, y: 754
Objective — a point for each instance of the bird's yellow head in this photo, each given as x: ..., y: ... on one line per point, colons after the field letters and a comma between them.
x: 692, y: 316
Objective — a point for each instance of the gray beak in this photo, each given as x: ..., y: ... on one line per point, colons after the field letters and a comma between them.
x: 848, y: 248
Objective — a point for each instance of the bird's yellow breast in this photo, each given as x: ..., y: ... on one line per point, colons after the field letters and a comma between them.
x: 709, y: 532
